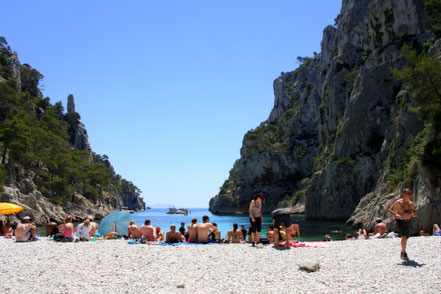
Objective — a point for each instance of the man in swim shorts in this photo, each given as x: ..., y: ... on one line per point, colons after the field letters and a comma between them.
x: 403, y: 210
x: 280, y: 216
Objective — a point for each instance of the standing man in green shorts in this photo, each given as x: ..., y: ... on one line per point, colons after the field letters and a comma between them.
x: 403, y: 210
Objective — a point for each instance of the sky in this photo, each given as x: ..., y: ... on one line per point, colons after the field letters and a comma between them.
x: 166, y: 89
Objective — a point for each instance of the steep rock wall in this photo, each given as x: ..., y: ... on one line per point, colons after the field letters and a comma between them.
x: 340, y: 123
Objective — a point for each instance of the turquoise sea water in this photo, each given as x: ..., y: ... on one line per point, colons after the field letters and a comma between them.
x: 310, y: 230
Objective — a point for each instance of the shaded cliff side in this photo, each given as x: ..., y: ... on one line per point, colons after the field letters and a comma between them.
x: 47, y: 165
x: 341, y: 125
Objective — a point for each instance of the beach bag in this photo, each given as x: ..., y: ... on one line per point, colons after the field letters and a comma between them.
x: 58, y: 237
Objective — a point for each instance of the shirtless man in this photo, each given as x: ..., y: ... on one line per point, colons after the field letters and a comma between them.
x: 293, y: 230
x: 403, y: 210
x: 25, y: 231
x: 193, y: 231
x: 134, y: 231
x: 94, y: 226
x: 204, y: 229
x: 174, y: 237
x: 380, y: 229
x: 148, y: 231
x: 235, y: 235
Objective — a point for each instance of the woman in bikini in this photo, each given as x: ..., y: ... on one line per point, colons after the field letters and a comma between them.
x: 235, y: 235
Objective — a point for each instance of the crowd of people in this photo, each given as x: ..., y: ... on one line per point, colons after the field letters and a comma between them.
x: 280, y: 233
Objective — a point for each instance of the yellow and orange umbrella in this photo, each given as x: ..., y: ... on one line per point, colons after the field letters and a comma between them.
x: 8, y: 208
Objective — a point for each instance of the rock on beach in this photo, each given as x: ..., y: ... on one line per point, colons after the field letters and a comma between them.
x: 363, y: 266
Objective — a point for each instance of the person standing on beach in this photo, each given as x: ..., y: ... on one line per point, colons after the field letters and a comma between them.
x: 256, y: 219
x: 403, y: 210
x: 204, y: 229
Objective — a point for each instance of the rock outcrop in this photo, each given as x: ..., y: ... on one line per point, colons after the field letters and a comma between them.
x: 340, y: 124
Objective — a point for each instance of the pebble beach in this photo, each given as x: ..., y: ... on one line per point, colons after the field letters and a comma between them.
x: 358, y: 266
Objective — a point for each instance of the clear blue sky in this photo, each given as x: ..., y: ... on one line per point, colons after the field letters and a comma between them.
x: 166, y: 89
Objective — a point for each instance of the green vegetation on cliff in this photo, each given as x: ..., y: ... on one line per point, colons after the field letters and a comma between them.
x: 34, y: 137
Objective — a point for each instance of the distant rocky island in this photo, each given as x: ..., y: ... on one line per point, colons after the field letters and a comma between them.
x: 347, y: 132
x: 47, y: 165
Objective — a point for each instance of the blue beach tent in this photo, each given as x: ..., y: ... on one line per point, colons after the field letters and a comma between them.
x: 117, y: 221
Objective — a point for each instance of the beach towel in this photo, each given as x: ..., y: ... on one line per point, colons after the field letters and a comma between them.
x: 189, y: 243
x: 318, y: 244
x: 134, y: 241
x: 165, y: 244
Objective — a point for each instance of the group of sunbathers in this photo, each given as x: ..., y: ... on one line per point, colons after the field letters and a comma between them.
x: 204, y: 232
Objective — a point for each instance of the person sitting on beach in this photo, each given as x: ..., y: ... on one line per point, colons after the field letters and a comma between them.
x: 134, y: 231
x: 327, y: 238
x: 93, y: 225
x: 174, y: 237
x: 215, y: 235
x: 52, y: 227
x: 111, y: 236
x: 244, y: 232
x: 361, y: 234
x: 25, y: 231
x: 280, y: 216
x: 204, y: 229
x: 436, y: 230
x: 380, y: 229
x: 83, y: 230
x: 423, y: 233
x: 235, y: 235
x: 270, y: 234
x: 67, y: 229
x: 348, y: 237
x: 159, y: 235
x: 182, y: 229
x: 5, y: 228
x: 148, y: 231
x: 293, y: 230
x: 193, y: 231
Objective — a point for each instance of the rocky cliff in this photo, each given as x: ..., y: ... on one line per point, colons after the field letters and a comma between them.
x: 341, y: 125
x: 38, y: 177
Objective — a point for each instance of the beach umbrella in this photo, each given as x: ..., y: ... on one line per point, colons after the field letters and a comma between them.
x: 117, y: 221
x: 8, y: 208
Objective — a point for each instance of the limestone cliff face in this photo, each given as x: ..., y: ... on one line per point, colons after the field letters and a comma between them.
x: 340, y: 123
